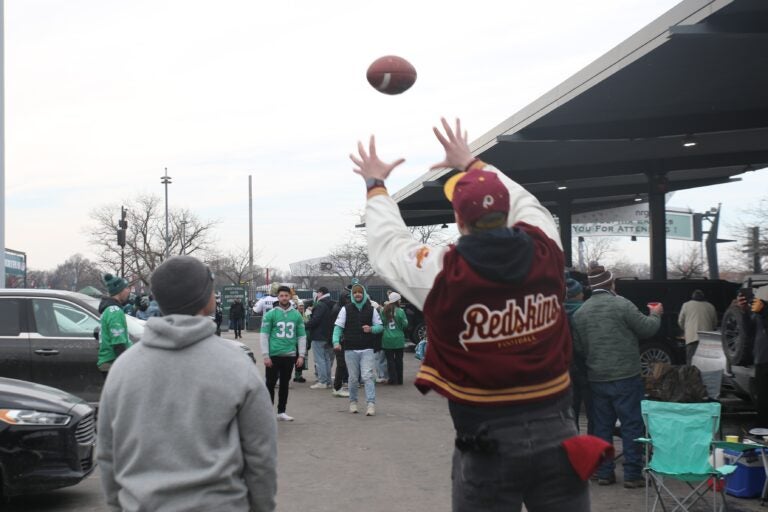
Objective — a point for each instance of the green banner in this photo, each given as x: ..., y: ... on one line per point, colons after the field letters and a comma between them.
x: 229, y: 294
x: 679, y: 227
x: 15, y: 264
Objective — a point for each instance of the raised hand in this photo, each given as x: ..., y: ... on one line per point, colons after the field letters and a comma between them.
x: 457, y: 153
x: 369, y: 165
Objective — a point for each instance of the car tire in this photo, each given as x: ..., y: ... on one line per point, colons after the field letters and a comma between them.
x: 653, y: 352
x: 419, y: 333
x: 736, y: 343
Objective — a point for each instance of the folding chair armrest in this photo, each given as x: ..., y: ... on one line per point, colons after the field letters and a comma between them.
x: 644, y: 440
x: 737, y: 447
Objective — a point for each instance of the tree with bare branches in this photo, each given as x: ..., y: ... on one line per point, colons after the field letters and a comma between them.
x: 755, y: 215
x: 687, y: 264
x: 594, y: 248
x: 145, y: 237
x: 232, y: 268
x: 350, y: 260
x: 75, y: 274
x: 433, y: 234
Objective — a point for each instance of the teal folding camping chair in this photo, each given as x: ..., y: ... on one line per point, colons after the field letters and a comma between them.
x: 679, y: 440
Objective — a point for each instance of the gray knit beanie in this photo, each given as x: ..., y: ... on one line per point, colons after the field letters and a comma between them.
x: 182, y: 285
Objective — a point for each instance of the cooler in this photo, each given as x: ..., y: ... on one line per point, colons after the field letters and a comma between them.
x: 749, y: 478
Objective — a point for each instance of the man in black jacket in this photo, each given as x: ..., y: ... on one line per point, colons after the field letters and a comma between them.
x: 320, y: 327
x: 236, y: 316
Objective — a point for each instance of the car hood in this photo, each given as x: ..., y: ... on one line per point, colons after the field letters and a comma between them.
x: 20, y: 394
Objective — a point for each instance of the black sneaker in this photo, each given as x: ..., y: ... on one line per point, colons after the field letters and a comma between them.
x: 608, y: 480
x: 299, y: 379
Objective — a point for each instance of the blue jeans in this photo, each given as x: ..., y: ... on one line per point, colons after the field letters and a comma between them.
x: 360, y: 362
x: 527, y: 466
x: 381, y: 365
x: 323, y: 354
x: 620, y: 399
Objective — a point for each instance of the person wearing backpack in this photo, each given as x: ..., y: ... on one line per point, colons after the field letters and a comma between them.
x: 393, y: 338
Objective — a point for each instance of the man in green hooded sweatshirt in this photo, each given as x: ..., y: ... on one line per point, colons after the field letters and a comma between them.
x: 113, y: 335
x: 359, y: 322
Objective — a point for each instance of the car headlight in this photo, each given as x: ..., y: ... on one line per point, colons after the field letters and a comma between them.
x: 27, y: 417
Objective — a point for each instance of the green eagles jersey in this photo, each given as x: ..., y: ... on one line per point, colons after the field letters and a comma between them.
x: 284, y: 329
x: 394, y: 330
x: 114, y: 331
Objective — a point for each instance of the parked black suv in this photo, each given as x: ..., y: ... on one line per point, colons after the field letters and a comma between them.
x: 47, y: 438
x: 668, y: 344
x: 47, y: 337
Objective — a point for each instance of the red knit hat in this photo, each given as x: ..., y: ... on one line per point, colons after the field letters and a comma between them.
x: 477, y: 193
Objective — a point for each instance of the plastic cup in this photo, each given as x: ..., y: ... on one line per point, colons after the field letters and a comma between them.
x: 731, y: 439
x: 653, y: 304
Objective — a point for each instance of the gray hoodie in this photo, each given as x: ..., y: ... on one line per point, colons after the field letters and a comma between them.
x: 186, y: 423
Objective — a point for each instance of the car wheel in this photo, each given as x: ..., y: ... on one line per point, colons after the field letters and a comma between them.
x: 736, y: 344
x: 653, y: 352
x: 419, y: 333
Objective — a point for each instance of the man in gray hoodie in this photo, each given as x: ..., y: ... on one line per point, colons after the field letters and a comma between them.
x: 185, y: 421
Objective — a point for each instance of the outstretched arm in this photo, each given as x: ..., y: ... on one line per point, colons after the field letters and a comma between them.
x: 523, y: 206
x: 400, y: 260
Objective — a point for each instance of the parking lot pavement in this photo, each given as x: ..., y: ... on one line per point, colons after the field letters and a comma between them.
x: 330, y: 460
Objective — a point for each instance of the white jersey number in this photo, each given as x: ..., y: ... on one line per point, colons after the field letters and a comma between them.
x: 286, y: 329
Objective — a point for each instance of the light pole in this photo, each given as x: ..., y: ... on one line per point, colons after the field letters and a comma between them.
x: 166, y: 180
x: 183, y: 236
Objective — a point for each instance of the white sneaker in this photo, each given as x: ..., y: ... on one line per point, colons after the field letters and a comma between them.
x: 340, y: 393
x: 370, y: 410
x: 319, y: 385
x: 284, y: 417
x: 353, y: 407
x: 381, y: 381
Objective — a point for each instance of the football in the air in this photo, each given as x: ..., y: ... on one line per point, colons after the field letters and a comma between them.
x: 391, y: 74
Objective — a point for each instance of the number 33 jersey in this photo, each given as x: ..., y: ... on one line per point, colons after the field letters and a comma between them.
x: 285, y: 329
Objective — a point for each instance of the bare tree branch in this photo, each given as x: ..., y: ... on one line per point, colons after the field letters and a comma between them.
x: 145, y: 237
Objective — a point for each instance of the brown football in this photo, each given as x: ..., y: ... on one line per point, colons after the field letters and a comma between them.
x: 391, y: 74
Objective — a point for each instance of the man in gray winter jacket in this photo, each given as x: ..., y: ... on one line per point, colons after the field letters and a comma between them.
x: 607, y: 332
x: 185, y: 421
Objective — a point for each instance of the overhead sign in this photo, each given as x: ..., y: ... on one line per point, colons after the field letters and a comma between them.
x: 679, y: 226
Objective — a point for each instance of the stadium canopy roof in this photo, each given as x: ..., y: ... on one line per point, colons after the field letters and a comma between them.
x: 683, y: 103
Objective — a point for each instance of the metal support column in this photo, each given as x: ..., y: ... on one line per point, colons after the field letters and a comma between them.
x: 566, y: 230
x: 658, y: 225
x: 711, y: 245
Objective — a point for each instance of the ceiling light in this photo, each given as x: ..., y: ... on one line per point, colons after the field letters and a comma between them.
x: 561, y: 185
x: 638, y: 198
x: 689, y: 143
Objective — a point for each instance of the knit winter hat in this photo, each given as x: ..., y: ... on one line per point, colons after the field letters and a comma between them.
x: 572, y: 288
x: 182, y: 285
x: 393, y: 297
x: 114, y: 284
x: 599, y: 278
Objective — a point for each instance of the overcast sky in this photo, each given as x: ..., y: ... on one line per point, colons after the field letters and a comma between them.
x: 102, y: 95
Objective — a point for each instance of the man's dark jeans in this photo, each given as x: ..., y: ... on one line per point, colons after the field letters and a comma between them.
x: 341, y: 370
x: 237, y: 325
x: 519, y: 463
x: 620, y: 399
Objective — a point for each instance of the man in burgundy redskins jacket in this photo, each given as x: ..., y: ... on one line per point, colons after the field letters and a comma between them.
x: 499, y: 343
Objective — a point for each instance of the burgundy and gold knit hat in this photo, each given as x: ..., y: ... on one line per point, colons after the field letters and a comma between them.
x: 599, y: 278
x: 476, y: 193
